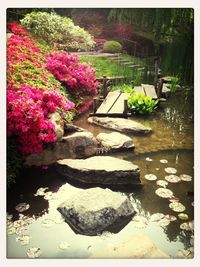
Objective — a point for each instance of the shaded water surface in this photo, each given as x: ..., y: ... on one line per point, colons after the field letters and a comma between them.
x: 172, y: 129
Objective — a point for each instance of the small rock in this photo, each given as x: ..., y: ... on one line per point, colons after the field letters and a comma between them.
x: 120, y: 125
x: 115, y: 141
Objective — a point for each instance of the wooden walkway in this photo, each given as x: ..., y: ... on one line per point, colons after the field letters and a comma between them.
x: 115, y: 103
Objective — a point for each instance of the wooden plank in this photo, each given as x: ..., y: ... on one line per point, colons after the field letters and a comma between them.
x: 150, y: 90
x: 139, y: 90
x: 118, y: 107
x: 108, y: 102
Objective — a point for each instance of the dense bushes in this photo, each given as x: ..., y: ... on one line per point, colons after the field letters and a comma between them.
x: 32, y: 93
x: 78, y: 78
x: 112, y: 47
x: 56, y: 29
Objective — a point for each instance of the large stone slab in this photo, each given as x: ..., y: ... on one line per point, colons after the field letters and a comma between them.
x: 94, y: 210
x: 76, y: 145
x: 100, y: 170
x: 120, y: 125
x: 115, y: 141
x: 137, y: 247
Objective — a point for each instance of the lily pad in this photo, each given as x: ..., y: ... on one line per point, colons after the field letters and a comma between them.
x: 177, y: 206
x: 140, y: 221
x: 164, y: 222
x: 171, y: 170
x: 148, y: 159
x: 174, y: 199
x: 157, y: 217
x: 162, y: 183
x: 171, y: 218
x: 186, y: 178
x: 183, y: 216
x: 9, y: 216
x: 24, y: 240
x: 34, y: 253
x: 173, y: 178
x: 164, y: 193
x: 49, y: 195
x: 19, y: 223
x: 164, y: 161
x: 47, y: 223
x: 21, y: 231
x: 22, y: 207
x: 11, y: 230
x: 187, y: 226
x: 150, y: 177
x: 41, y: 191
x: 64, y: 245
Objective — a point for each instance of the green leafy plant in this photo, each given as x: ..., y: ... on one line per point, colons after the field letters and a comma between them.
x: 55, y: 29
x: 112, y: 47
x: 174, y: 83
x: 139, y: 103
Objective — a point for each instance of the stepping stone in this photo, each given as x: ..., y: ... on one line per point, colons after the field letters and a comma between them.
x: 120, y: 125
x: 136, y: 247
x: 100, y: 170
x: 115, y: 141
x: 95, y: 210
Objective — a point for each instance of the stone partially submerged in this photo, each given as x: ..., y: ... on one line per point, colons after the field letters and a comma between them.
x: 120, y: 125
x: 95, y: 210
x: 137, y: 247
x: 76, y: 145
x: 115, y: 141
x: 100, y: 170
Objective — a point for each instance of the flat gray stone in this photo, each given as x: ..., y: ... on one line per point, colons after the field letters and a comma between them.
x: 137, y: 247
x: 115, y: 141
x: 120, y: 125
x: 94, y: 210
x: 76, y: 145
x: 100, y: 170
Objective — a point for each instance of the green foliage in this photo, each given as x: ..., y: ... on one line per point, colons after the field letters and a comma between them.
x: 125, y: 88
x: 112, y: 47
x: 141, y: 104
x: 14, y: 162
x: 107, y: 67
x: 174, y: 82
x: 55, y: 29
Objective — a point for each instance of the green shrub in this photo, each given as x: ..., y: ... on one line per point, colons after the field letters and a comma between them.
x: 174, y: 84
x: 112, y: 47
x: 55, y: 29
x: 141, y: 104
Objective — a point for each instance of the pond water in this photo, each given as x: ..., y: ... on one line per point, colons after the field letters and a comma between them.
x: 171, y: 140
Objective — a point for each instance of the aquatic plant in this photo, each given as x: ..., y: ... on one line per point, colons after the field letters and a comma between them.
x: 174, y: 83
x: 141, y: 104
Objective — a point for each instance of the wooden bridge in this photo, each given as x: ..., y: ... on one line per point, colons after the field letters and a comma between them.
x: 115, y: 103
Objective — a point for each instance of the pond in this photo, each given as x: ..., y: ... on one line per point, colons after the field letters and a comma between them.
x: 170, y: 145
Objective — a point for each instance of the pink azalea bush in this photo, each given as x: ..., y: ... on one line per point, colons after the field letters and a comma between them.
x: 78, y: 78
x: 32, y: 93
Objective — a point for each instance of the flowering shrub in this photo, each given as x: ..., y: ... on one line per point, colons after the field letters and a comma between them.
x: 15, y: 28
x: 32, y: 93
x: 78, y: 78
x: 56, y: 29
x: 27, y: 110
x: 124, y: 30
